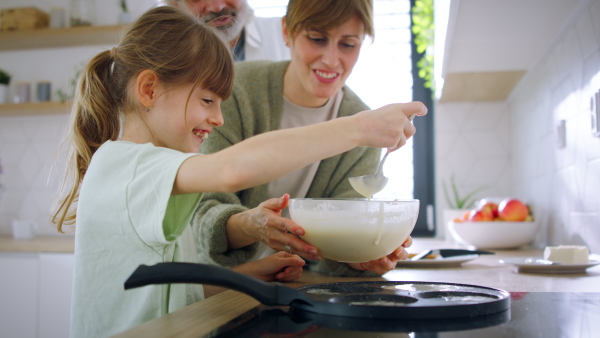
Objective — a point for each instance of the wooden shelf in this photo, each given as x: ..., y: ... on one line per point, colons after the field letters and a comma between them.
x: 41, y: 108
x: 62, y: 37
x: 58, y: 243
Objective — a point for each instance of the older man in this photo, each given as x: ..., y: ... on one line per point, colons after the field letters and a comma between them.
x: 251, y: 37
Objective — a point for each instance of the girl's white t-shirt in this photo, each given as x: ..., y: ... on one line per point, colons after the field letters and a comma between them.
x: 126, y: 216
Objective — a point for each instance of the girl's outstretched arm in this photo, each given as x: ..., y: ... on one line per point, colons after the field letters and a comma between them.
x: 266, y: 157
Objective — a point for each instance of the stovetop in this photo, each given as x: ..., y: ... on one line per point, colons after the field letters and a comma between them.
x: 534, y: 314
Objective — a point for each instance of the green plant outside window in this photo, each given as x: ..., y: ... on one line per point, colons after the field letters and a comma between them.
x: 423, y: 29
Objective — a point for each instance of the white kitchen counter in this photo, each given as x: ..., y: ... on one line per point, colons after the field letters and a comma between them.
x: 486, y: 270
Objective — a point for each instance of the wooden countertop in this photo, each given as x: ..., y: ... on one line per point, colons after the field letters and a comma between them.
x: 203, y: 317
x: 56, y: 244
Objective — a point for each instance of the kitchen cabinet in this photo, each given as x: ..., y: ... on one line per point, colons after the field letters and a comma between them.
x: 53, y: 38
x: 35, y: 289
x: 19, y: 293
x: 56, y: 284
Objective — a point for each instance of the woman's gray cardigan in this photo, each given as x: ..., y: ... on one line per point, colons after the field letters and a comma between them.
x: 255, y: 107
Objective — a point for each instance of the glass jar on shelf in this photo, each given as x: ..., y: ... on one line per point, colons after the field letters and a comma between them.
x: 83, y: 13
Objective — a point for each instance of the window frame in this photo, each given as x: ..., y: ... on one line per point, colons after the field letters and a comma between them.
x: 423, y: 149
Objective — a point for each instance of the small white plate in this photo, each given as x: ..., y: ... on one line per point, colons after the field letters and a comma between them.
x: 437, y: 262
x: 530, y: 264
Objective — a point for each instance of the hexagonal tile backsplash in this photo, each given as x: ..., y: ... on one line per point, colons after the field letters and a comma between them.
x: 32, y: 168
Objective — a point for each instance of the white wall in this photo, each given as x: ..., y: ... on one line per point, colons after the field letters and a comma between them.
x: 511, y: 146
x: 563, y: 184
x: 472, y: 144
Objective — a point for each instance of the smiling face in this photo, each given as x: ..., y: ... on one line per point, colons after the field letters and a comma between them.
x: 227, y: 16
x: 321, y: 61
x: 175, y: 126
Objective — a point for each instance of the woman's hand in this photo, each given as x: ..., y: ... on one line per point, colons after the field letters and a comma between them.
x: 281, y: 266
x: 385, y: 264
x: 265, y: 224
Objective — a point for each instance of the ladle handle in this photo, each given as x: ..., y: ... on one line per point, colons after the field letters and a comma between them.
x: 380, y: 168
x: 379, y: 172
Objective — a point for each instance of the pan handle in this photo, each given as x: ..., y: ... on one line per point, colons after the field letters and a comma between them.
x: 170, y: 273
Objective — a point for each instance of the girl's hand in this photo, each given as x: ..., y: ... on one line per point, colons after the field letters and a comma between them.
x: 281, y: 266
x: 389, y: 126
x: 385, y: 264
x: 265, y: 224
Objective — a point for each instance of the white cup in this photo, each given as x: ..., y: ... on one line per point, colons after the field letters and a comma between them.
x: 23, y: 92
x: 23, y: 228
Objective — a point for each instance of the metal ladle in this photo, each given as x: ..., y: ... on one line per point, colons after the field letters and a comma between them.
x: 369, y: 185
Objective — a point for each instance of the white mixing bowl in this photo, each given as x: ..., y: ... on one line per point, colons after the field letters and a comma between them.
x: 355, y: 230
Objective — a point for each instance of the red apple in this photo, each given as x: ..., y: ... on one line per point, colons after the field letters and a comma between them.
x: 480, y: 216
x: 513, y: 210
x: 463, y: 218
x: 491, y: 209
x: 517, y: 295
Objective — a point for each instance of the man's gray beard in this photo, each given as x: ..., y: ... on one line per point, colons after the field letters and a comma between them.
x: 231, y: 31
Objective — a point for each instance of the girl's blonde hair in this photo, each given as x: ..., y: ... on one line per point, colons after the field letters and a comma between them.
x: 323, y: 15
x: 165, y: 40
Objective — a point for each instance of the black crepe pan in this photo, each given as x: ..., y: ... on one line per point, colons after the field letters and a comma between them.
x: 369, y: 299
x: 278, y: 322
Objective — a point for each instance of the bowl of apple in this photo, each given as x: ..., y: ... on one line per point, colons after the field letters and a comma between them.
x: 505, y: 225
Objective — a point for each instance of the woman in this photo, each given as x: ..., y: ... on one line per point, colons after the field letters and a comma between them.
x: 324, y: 38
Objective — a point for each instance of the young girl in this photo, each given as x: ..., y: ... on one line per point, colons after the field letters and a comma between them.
x: 141, y: 112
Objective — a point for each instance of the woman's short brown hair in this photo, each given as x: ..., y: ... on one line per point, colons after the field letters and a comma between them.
x: 323, y: 15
